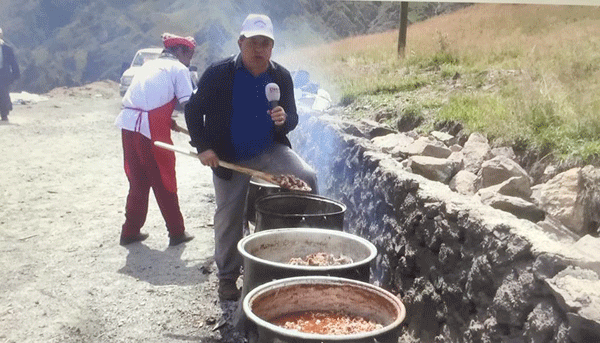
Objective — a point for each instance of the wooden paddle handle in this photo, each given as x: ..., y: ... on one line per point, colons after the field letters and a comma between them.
x: 180, y: 129
x: 175, y: 148
x: 251, y: 172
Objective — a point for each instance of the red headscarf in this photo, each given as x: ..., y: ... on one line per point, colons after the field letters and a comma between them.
x: 170, y: 40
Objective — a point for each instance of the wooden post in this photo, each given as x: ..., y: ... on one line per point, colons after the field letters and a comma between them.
x: 403, y: 27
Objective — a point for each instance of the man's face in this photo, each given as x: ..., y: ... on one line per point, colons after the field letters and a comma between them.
x: 256, y: 52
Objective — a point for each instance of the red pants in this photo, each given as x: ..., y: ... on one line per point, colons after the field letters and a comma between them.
x: 148, y: 166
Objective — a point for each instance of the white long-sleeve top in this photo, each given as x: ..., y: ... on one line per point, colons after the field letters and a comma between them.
x: 154, y: 85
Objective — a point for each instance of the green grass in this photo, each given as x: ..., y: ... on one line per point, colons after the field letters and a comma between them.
x: 524, y: 75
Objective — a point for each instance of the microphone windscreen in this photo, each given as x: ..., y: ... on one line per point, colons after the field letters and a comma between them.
x: 272, y: 92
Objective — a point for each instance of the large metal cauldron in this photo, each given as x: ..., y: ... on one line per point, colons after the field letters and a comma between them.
x: 322, y: 293
x: 257, y: 189
x: 298, y: 210
x: 267, y: 254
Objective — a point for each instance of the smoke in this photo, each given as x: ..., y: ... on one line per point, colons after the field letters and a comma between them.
x: 295, y: 28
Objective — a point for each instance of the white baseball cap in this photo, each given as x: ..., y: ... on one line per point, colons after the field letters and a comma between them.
x: 257, y: 25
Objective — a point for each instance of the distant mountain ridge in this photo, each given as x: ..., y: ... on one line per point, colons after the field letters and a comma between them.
x: 71, y: 42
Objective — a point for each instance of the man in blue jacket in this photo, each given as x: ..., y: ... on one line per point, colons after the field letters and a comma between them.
x: 229, y: 118
x: 9, y: 72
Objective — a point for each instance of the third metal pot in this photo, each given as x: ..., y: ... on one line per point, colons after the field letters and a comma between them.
x: 257, y: 189
x: 298, y: 210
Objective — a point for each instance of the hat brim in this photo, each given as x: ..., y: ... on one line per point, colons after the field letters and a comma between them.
x: 249, y: 34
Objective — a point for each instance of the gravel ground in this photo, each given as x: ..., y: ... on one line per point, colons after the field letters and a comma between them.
x: 64, y: 276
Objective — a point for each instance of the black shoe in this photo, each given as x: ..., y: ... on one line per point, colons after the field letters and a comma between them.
x: 137, y: 238
x: 228, y: 290
x: 185, y: 237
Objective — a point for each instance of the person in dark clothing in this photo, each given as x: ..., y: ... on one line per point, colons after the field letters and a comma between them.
x: 9, y: 72
x: 229, y: 118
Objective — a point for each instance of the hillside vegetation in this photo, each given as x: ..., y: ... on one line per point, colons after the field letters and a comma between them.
x: 71, y: 42
x: 526, y: 75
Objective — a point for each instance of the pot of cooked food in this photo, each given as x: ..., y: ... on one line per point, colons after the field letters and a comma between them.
x: 323, y: 309
x: 287, y: 252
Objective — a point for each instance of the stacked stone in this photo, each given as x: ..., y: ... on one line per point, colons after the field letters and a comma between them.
x: 473, y: 248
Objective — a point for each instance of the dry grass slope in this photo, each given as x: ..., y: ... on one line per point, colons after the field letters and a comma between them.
x: 526, y: 75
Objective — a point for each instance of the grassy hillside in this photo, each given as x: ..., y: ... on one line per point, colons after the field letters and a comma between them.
x: 71, y: 42
x: 525, y: 75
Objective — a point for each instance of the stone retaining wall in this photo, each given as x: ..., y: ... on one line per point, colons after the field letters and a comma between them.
x: 466, y: 272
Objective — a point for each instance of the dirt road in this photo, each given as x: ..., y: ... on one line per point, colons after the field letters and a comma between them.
x: 64, y: 277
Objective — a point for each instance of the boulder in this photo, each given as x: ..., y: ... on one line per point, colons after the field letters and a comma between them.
x: 390, y: 142
x: 578, y: 294
x: 504, y: 151
x: 560, y: 198
x: 516, y: 186
x: 591, y: 197
x: 560, y: 232
x: 519, y: 207
x: 456, y: 148
x: 475, y: 151
x: 500, y: 169
x: 433, y: 168
x: 587, y: 247
x: 426, y: 146
x: 443, y: 137
x: 372, y: 129
x: 464, y: 182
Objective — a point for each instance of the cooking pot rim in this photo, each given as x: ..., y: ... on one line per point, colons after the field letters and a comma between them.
x: 241, y: 246
x: 280, y: 283
x: 268, y: 197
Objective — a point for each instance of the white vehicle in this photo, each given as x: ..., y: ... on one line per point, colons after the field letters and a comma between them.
x: 140, y: 57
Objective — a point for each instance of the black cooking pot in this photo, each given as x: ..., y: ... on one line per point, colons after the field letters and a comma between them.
x: 298, y: 210
x: 257, y: 189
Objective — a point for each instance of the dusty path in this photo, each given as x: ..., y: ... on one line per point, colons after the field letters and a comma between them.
x: 63, y: 275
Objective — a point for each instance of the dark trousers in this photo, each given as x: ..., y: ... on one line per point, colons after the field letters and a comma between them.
x: 5, y: 102
x: 143, y: 173
x: 230, y: 198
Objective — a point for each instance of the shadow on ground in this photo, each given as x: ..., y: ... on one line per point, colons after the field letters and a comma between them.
x: 164, y: 267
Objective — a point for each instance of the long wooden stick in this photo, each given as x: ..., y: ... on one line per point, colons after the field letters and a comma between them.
x: 181, y: 129
x: 261, y: 175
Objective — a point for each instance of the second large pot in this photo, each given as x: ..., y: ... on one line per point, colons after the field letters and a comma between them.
x: 267, y: 254
x: 298, y: 210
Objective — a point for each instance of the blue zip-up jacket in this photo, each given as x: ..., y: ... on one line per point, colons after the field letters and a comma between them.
x: 208, y: 113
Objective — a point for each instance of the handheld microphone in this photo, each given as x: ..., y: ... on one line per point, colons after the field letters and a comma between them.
x: 272, y: 93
